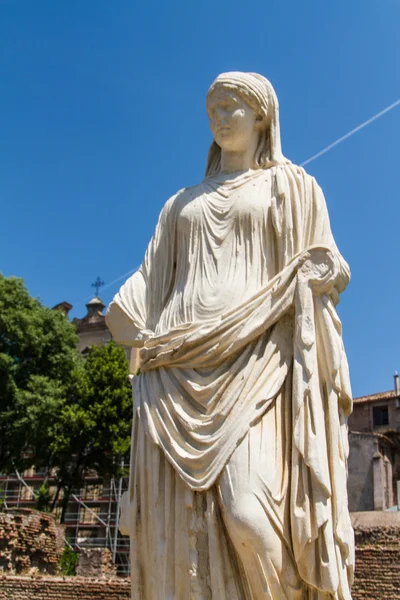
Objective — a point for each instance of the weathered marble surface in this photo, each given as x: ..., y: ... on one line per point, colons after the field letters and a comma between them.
x: 239, y: 441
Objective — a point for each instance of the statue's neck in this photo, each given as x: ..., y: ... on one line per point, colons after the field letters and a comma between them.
x: 239, y: 160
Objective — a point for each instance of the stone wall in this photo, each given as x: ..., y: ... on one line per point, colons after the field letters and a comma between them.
x: 377, y: 555
x: 96, y: 562
x: 62, y: 588
x: 29, y: 543
x: 377, y: 564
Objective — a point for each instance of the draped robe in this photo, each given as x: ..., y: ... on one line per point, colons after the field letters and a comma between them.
x: 234, y: 311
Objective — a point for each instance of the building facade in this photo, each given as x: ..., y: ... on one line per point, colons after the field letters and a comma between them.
x: 374, y: 462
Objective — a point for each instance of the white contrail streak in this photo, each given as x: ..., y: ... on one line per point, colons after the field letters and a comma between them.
x: 352, y: 132
x: 120, y: 277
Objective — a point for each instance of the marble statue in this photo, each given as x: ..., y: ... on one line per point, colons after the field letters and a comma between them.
x: 239, y: 441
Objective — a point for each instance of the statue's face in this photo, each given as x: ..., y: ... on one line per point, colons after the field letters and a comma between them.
x: 233, y: 122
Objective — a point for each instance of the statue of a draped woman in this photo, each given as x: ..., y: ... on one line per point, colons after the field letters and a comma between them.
x: 239, y: 442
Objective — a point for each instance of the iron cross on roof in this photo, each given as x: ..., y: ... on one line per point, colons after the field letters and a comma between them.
x: 97, y: 285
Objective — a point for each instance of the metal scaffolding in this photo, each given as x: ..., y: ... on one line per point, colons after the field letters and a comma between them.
x: 92, y: 515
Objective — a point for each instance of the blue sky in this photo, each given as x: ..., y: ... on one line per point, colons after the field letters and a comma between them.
x: 102, y: 118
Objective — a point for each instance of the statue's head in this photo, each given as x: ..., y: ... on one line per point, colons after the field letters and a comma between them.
x: 240, y: 106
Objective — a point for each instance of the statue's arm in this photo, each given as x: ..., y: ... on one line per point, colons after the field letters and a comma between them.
x: 126, y: 315
x: 300, y: 220
x: 136, y: 308
x: 321, y: 234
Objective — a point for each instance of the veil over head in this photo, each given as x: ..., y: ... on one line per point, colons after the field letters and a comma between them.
x: 258, y: 92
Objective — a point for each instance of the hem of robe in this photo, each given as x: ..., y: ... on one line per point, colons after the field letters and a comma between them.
x: 180, y: 547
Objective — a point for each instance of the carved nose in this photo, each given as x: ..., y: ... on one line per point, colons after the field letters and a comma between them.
x: 222, y: 120
x: 221, y: 113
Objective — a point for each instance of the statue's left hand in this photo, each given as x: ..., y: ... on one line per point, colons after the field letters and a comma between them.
x: 319, y: 270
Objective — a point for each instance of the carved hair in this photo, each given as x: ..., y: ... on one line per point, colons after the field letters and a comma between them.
x: 259, y: 94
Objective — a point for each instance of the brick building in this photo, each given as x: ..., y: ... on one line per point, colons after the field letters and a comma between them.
x: 374, y: 463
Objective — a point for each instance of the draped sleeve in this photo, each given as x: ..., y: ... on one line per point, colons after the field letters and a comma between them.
x: 323, y: 541
x: 136, y: 308
x: 300, y: 218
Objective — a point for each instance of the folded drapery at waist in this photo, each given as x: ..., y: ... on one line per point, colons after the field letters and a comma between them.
x: 209, y: 343
x: 202, y: 386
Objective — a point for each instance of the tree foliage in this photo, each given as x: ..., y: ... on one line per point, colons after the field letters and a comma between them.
x: 68, y: 415
x: 68, y: 562
x: 95, y: 424
x: 38, y: 361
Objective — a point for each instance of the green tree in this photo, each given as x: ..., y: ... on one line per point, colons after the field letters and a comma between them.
x: 93, y: 432
x: 38, y: 364
x: 64, y: 414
